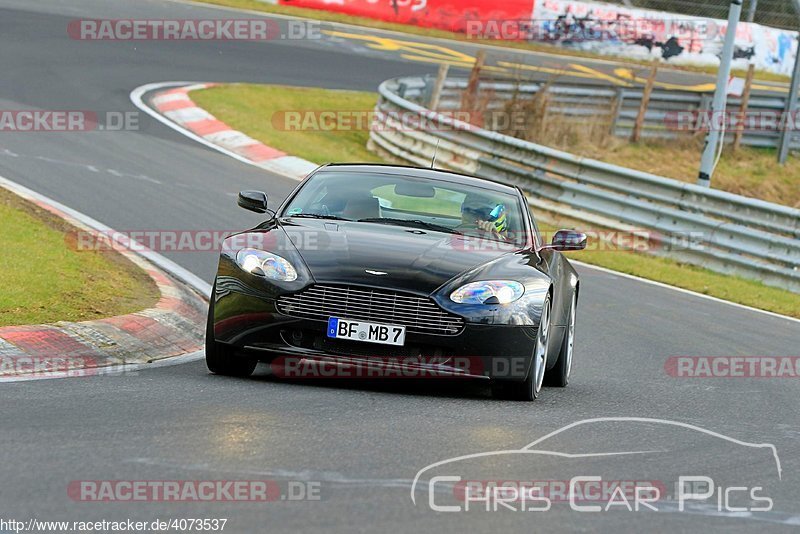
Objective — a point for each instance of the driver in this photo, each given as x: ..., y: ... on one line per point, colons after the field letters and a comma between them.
x: 483, y: 214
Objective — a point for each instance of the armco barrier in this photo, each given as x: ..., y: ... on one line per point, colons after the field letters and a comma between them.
x: 718, y: 230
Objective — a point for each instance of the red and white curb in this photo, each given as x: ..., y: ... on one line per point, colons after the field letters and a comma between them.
x: 172, y: 106
x: 174, y: 327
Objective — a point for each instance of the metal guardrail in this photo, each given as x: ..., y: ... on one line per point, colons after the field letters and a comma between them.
x: 621, y: 106
x: 718, y: 230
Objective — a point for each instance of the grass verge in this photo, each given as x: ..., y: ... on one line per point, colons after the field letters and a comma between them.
x: 327, y: 16
x: 752, y: 172
x: 749, y: 171
x: 250, y: 107
x: 259, y: 110
x: 46, y: 280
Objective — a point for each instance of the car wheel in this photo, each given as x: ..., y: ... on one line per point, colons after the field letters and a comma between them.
x: 530, y: 388
x: 220, y: 359
x: 558, y: 376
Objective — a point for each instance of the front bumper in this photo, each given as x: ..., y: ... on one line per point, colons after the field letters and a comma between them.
x: 253, y: 325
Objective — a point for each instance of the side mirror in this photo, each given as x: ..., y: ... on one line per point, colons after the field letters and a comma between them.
x: 568, y: 240
x: 253, y: 200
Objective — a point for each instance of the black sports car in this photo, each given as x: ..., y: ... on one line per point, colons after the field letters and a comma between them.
x: 368, y: 264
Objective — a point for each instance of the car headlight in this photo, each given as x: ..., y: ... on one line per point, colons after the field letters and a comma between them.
x: 488, y: 292
x: 266, y: 264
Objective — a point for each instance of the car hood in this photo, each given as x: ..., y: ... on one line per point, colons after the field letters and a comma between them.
x: 412, y: 259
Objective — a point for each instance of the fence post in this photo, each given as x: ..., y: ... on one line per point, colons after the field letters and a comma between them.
x: 786, y: 134
x: 703, y: 107
x: 737, y: 137
x: 648, y: 88
x: 470, y: 97
x: 615, y: 111
x: 441, y: 77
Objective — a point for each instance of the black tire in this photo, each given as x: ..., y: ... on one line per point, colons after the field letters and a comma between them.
x: 530, y: 388
x: 220, y: 358
x: 558, y: 376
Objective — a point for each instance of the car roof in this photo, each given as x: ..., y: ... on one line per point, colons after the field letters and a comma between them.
x: 420, y: 172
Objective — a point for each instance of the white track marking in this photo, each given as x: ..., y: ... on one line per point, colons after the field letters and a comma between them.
x: 230, y: 138
x: 685, y: 291
x: 192, y: 114
x: 136, y: 98
x: 175, y: 97
x: 287, y: 166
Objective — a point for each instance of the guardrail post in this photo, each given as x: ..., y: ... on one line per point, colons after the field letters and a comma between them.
x: 436, y: 94
x: 470, y: 98
x: 615, y: 111
x: 703, y: 107
x: 737, y: 138
x: 648, y: 88
x: 401, y: 89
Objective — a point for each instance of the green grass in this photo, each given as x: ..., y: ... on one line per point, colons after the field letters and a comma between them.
x: 328, y: 16
x: 250, y: 107
x: 260, y: 110
x: 46, y: 280
x: 752, y: 172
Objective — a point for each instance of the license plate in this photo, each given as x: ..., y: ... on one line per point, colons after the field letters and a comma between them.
x: 387, y: 334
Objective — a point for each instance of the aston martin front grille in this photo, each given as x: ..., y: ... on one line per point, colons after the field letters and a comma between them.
x: 419, y: 315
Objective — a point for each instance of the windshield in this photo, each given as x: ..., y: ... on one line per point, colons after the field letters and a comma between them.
x: 435, y: 205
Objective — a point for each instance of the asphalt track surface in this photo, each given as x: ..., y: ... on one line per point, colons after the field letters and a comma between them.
x: 363, y: 443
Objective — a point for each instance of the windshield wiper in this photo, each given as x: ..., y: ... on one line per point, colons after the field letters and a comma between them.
x: 317, y: 216
x: 412, y: 222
